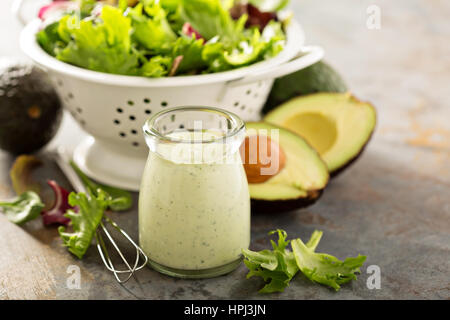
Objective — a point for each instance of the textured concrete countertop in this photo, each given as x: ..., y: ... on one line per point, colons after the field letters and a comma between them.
x: 393, y: 205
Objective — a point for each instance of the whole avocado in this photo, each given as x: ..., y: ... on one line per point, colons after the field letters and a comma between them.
x: 30, y: 109
x: 319, y: 77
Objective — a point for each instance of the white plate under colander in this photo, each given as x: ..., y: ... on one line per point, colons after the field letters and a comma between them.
x: 113, y: 108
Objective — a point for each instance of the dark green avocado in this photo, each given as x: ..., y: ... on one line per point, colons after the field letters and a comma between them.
x: 30, y: 109
x: 320, y: 77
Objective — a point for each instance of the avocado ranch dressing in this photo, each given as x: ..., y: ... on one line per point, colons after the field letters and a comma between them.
x: 194, y: 207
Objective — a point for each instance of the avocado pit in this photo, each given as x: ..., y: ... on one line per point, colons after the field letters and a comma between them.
x: 262, y: 158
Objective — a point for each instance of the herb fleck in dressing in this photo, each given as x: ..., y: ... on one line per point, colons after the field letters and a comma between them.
x: 194, y: 216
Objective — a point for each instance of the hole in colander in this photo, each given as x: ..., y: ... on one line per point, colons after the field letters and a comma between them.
x: 79, y: 110
x: 119, y: 110
x: 243, y: 107
x: 70, y: 95
x: 132, y: 118
x: 82, y: 122
x: 116, y: 121
x: 164, y: 104
x: 172, y: 118
x: 248, y: 91
x: 146, y: 100
x: 236, y: 103
x: 130, y: 103
x: 135, y: 144
x: 181, y: 126
x: 59, y: 82
x: 133, y: 131
x: 122, y: 134
x: 147, y: 111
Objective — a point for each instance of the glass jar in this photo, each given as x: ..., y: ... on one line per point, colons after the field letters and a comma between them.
x: 194, y: 204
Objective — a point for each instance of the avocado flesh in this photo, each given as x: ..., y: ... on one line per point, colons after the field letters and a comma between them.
x: 337, y: 125
x: 319, y: 77
x: 298, y: 183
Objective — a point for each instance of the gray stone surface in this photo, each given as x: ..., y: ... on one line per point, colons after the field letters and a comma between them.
x: 392, y: 205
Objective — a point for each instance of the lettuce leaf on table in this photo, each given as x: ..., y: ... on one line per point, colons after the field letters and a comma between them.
x: 22, y: 208
x: 20, y: 174
x: 55, y: 214
x: 84, y: 222
x: 324, y: 268
x: 277, y: 267
x: 116, y: 199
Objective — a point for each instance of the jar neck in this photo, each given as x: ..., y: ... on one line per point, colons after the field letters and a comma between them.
x: 194, y: 135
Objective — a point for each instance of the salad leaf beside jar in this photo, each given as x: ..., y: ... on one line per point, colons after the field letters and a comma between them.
x: 154, y: 38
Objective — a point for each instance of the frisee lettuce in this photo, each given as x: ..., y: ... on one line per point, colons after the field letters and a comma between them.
x: 324, y: 268
x: 104, y: 46
x: 278, y: 266
x: 117, y: 199
x: 148, y: 40
x: 84, y: 222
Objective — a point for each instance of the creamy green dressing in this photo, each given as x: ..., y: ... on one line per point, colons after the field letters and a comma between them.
x: 194, y: 216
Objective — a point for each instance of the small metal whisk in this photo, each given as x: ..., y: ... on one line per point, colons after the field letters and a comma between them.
x: 62, y: 160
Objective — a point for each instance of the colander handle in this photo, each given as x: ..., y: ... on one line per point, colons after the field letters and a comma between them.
x: 307, y: 56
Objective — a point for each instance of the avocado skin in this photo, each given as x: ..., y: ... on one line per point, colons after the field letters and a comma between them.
x: 23, y: 86
x: 280, y: 206
x: 319, y: 77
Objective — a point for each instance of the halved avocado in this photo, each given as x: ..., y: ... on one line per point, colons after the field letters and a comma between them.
x: 337, y: 125
x: 300, y: 179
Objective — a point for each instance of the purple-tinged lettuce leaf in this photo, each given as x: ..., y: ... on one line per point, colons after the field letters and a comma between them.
x: 55, y: 215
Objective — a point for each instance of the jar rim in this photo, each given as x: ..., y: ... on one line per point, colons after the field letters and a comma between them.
x: 237, y: 127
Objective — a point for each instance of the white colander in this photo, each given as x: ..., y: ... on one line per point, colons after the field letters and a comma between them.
x: 113, y: 108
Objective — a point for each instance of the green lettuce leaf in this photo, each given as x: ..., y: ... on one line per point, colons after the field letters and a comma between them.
x: 150, y: 26
x: 277, y: 267
x: 117, y: 199
x: 211, y: 19
x: 23, y: 208
x: 49, y: 39
x: 156, y: 67
x: 324, y: 268
x: 84, y: 222
x: 191, y: 50
x: 99, y: 45
x: 148, y: 40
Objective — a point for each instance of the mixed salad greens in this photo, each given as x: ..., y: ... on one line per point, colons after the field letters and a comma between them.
x: 157, y: 38
x: 82, y: 212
